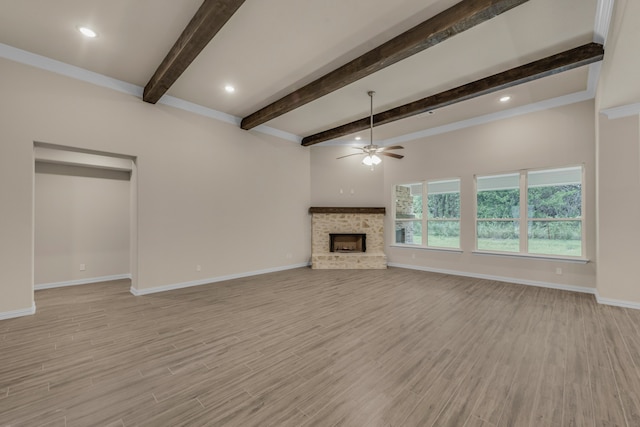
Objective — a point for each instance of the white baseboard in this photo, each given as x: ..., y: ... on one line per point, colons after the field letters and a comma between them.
x: 140, y: 292
x: 616, y: 302
x: 19, y: 313
x: 82, y: 281
x: 499, y: 278
x: 581, y: 289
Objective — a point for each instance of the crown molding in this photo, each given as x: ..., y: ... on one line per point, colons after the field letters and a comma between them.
x: 278, y: 133
x: 67, y: 70
x: 488, y: 118
x: 572, y: 98
x: 58, y: 67
x: 604, y: 12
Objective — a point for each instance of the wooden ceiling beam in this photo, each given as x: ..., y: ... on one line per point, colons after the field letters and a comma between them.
x: 205, y: 24
x: 461, y: 17
x: 564, y: 61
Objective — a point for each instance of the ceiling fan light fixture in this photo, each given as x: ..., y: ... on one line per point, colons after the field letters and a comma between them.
x: 371, y: 160
x: 371, y: 150
x: 87, y: 32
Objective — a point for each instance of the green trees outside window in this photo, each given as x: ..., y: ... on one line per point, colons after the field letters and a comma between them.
x: 498, y: 212
x: 443, y: 216
x: 551, y: 211
x: 528, y: 212
x: 440, y: 227
x: 554, y: 201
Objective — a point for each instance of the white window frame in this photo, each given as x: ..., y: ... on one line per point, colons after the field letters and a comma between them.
x: 425, y: 213
x: 424, y: 220
x: 524, y: 219
x: 395, y: 219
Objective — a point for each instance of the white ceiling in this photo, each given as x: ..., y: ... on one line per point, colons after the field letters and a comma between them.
x: 269, y: 48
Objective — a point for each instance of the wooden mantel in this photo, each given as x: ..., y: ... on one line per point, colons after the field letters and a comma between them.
x: 326, y: 210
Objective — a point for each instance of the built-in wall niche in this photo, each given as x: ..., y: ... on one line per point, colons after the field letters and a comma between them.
x: 84, y: 217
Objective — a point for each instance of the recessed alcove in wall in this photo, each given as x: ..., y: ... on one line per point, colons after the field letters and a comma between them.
x: 84, y: 216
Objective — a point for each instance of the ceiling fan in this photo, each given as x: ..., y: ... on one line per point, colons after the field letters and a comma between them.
x: 372, y: 151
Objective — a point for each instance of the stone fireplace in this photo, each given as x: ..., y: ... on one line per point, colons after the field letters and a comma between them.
x: 347, y: 238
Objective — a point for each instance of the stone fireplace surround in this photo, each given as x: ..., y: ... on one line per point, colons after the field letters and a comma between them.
x: 327, y: 220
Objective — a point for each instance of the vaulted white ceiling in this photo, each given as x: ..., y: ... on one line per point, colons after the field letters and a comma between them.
x: 269, y: 48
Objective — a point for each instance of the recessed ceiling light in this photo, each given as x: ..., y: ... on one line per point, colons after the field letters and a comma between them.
x: 505, y: 98
x: 229, y: 89
x: 87, y: 32
x: 358, y: 138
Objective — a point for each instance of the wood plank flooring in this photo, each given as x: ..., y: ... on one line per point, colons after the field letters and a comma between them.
x: 322, y: 348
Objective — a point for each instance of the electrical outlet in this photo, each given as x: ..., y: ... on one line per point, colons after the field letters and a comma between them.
x: 83, y: 267
x: 289, y: 256
x: 198, y: 267
x: 558, y: 271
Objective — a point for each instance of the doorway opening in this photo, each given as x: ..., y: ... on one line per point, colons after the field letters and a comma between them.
x: 84, y: 216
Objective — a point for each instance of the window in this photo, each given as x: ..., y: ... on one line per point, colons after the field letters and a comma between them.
x: 440, y: 227
x: 498, y: 203
x: 535, y: 212
x: 443, y: 213
x: 554, y: 211
x: 408, y: 214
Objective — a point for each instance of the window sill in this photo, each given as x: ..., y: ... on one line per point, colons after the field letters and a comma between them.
x: 426, y: 248
x: 531, y: 256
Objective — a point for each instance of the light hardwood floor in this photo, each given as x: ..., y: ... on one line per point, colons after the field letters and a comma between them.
x: 322, y: 348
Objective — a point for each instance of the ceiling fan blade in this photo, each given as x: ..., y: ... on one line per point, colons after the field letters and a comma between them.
x: 349, y: 155
x: 392, y: 147
x: 394, y: 155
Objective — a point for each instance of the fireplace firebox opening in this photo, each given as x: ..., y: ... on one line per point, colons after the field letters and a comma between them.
x: 348, y: 242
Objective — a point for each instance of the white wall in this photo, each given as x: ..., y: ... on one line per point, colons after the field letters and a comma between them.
x: 237, y: 201
x: 81, y: 217
x: 209, y: 193
x: 618, y: 83
x: 619, y: 208
x: 344, y: 182
x: 16, y: 215
x: 553, y: 138
x: 618, y: 159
